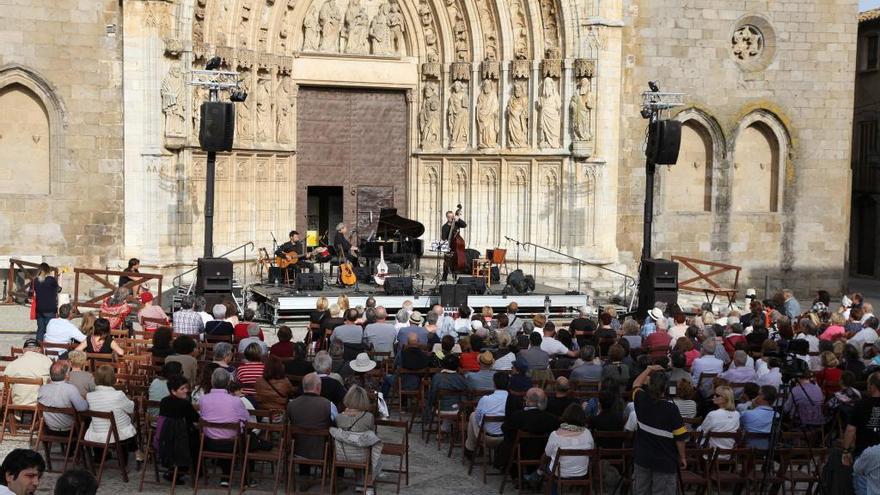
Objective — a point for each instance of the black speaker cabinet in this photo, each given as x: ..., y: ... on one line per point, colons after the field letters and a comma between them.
x: 276, y: 275
x: 658, y: 282
x: 217, y: 131
x: 516, y: 283
x: 214, y: 275
x: 477, y: 285
x: 453, y: 295
x: 399, y: 286
x: 664, y: 141
x: 309, y: 281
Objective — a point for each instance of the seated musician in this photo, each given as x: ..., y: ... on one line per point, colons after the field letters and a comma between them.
x: 342, y: 246
x: 295, y: 246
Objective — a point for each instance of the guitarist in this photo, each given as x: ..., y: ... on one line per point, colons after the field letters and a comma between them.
x: 295, y: 246
x: 341, y: 245
x: 453, y: 225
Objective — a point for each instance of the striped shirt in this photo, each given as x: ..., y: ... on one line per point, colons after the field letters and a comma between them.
x: 247, y: 375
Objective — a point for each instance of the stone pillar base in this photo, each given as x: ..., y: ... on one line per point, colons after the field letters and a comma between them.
x: 582, y: 149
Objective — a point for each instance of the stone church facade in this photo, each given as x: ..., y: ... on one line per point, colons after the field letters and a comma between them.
x: 525, y: 112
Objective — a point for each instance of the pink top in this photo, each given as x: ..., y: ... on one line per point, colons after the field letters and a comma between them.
x: 832, y: 332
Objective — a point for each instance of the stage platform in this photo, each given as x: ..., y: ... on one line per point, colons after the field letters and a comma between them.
x: 279, y: 303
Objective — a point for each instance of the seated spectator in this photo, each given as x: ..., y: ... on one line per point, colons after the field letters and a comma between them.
x: 615, y: 370
x: 482, y: 380
x: 242, y: 328
x: 359, y: 374
x: 707, y: 363
x: 251, y: 370
x: 21, y: 472
x: 539, y: 320
x: 203, y: 386
x: 273, y: 389
x: 431, y: 327
x: 804, y: 404
x: 159, y: 386
x: 448, y: 379
x: 605, y: 333
x: 506, y: 355
x: 535, y: 356
x: 61, y: 331
x: 298, y: 366
x: 868, y: 334
x: 684, y: 398
x: 768, y: 372
x: 105, y: 398
x: 161, y: 347
x: 186, y: 320
x: 82, y: 380
x: 551, y: 345
x: 222, y: 356
x: 488, y: 405
x: 200, y: 307
x: 844, y: 399
x: 735, y: 337
x: 253, y: 338
x: 231, y: 311
x: 219, y: 406
x: 685, y: 346
x: 310, y: 411
x: 835, y: 330
x: 284, y: 347
x: 679, y: 327
x: 677, y: 371
x: 178, y: 437
x: 561, y: 398
x: 100, y: 341
x: 853, y: 324
x: 658, y: 341
x: 749, y: 392
x: 415, y: 326
x: 116, y: 309
x: 590, y: 368
x: 532, y: 419
x: 59, y: 393
x: 609, y: 418
x: 583, y: 327
x: 331, y: 388
x: 631, y: 333
x: 76, y: 482
x: 31, y: 364
x: 446, y: 347
x: 359, y: 424
x: 184, y: 353
x: 519, y: 378
x: 219, y: 327
x: 87, y: 323
x: 150, y: 310
x: 572, y: 434
x: 739, y: 372
x: 380, y: 334
x: 759, y: 419
x: 724, y: 419
x: 650, y: 325
x: 830, y: 373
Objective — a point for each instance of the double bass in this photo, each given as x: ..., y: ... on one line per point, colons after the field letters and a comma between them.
x: 456, y: 261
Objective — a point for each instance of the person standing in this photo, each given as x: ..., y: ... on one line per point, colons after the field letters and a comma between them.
x: 45, y: 290
x: 863, y: 432
x: 658, y: 451
x: 447, y: 232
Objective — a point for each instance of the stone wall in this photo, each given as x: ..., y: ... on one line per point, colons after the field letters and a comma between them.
x: 769, y: 91
x: 61, y: 136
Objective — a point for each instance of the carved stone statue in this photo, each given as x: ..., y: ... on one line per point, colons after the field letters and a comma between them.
x: 311, y: 30
x: 457, y: 116
x: 395, y: 23
x: 550, y: 106
x: 264, y: 111
x: 243, y: 129
x: 487, y: 116
x: 581, y: 109
x: 199, y: 96
x: 331, y: 23
x: 518, y: 118
x: 380, y: 33
x: 429, y: 118
x: 173, y: 102
x: 357, y: 26
x: 284, y: 101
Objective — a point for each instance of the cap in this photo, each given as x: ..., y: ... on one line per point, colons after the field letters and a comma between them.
x: 146, y: 297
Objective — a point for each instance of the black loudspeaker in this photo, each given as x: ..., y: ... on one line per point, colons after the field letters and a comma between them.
x: 495, y: 275
x: 477, y: 285
x: 399, y: 286
x: 664, y: 141
x: 658, y: 282
x: 530, y: 283
x: 453, y: 295
x: 516, y: 283
x: 214, y: 275
x: 310, y: 281
x: 217, y: 131
x: 276, y: 275
x: 363, y: 274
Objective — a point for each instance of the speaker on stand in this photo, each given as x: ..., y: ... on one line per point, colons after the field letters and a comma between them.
x: 658, y: 282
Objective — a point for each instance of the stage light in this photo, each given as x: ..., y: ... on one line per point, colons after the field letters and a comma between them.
x: 238, y: 96
x: 213, y: 63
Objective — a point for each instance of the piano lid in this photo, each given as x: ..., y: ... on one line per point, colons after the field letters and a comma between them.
x: 391, y: 225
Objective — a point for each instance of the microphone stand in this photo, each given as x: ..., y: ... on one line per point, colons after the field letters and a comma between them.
x: 518, y: 244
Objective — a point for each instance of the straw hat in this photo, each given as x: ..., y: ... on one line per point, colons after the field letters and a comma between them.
x: 362, y: 363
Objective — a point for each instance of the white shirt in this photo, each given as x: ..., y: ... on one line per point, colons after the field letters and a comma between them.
x: 569, y: 466
x: 676, y: 332
x: 553, y: 347
x: 505, y: 362
x: 205, y: 317
x: 107, y: 399
x: 4, y: 490
x: 705, y: 364
x: 61, y: 331
x: 866, y: 336
x: 721, y: 420
x: 29, y: 365
x: 462, y: 325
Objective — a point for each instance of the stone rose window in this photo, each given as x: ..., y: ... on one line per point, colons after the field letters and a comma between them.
x: 748, y: 43
x: 753, y: 43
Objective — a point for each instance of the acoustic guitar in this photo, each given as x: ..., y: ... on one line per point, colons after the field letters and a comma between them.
x: 346, y: 274
x: 289, y: 259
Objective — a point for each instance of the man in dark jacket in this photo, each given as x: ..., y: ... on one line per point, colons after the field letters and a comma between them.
x: 310, y: 411
x: 531, y: 419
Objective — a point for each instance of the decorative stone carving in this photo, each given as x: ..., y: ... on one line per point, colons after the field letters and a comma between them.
x: 551, y: 24
x: 431, y: 68
x: 198, y: 32
x: 173, y: 47
x: 173, y: 102
x: 357, y: 29
x: 395, y: 23
x: 426, y: 17
x: 330, y: 21
x: 311, y: 29
x: 458, y: 115
x: 380, y: 32
x: 581, y: 110
x: 284, y: 31
x: 584, y: 68
x: 243, y: 128
x: 520, y: 30
x: 489, y: 29
x: 429, y: 118
x: 518, y: 117
x: 265, y: 17
x: 244, y: 25
x: 520, y: 68
x: 489, y: 69
x: 200, y: 94
x: 487, y: 116
x: 264, y: 111
x: 461, y: 71
x: 459, y: 30
x: 551, y: 66
x: 284, y: 100
x: 550, y: 105
x: 747, y: 43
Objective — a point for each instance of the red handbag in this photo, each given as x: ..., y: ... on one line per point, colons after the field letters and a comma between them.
x: 33, y: 304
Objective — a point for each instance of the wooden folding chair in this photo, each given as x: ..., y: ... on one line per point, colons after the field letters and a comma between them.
x: 517, y: 458
x: 410, y: 395
x: 150, y: 454
x: 47, y: 439
x: 801, y: 466
x: 211, y: 454
x: 396, y: 449
x: 697, y: 472
x: 9, y: 408
x: 486, y: 443
x: 95, y: 359
x: 586, y: 482
x: 294, y: 460
x: 112, y: 441
x: 277, y: 434
x: 453, y: 417
x: 338, y: 466
x: 730, y: 467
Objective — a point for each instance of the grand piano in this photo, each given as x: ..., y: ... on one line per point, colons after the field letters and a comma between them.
x: 398, y: 236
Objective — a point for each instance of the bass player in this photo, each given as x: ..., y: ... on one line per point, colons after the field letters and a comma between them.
x: 447, y: 231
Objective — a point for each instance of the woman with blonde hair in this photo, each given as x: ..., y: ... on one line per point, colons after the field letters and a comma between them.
x: 354, y: 431
x: 87, y: 325
x: 830, y: 372
x: 82, y: 380
x: 724, y: 419
x: 342, y: 302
